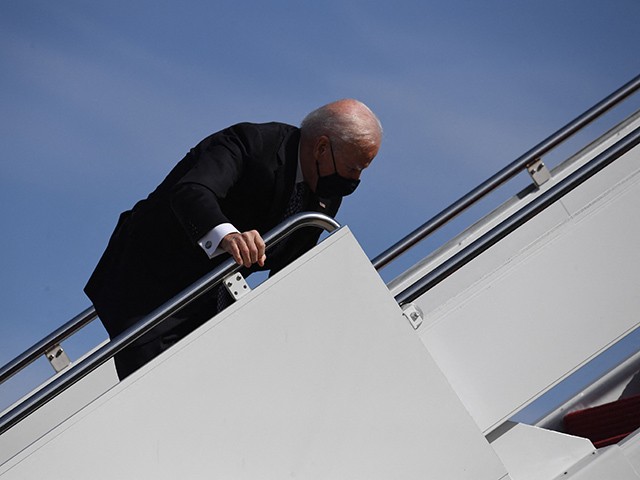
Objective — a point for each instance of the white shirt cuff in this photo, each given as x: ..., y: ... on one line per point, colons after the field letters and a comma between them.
x: 210, y: 243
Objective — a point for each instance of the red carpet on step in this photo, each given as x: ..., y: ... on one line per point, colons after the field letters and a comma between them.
x: 605, y: 424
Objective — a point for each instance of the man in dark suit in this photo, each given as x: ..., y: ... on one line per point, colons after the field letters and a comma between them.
x: 229, y: 190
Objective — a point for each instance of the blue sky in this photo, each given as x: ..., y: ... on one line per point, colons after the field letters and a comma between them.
x: 100, y: 99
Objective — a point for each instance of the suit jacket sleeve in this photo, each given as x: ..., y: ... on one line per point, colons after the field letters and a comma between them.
x: 216, y: 165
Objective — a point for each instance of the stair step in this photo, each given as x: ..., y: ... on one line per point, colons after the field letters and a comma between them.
x: 605, y: 424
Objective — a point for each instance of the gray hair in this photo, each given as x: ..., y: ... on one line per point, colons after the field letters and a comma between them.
x: 356, y: 125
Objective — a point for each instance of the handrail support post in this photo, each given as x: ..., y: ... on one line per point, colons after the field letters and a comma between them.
x: 236, y: 285
x: 539, y: 172
x: 57, y: 357
x: 413, y: 313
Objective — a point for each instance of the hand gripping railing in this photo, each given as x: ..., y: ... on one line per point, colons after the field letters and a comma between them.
x: 510, y: 171
x: 76, y: 372
x: 503, y: 229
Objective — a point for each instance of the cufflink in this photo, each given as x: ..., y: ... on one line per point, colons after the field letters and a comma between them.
x: 207, y: 245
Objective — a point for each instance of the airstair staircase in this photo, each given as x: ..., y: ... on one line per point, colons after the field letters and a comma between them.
x: 481, y: 361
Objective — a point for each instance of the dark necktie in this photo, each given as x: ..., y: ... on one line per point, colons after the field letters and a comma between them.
x: 297, y: 200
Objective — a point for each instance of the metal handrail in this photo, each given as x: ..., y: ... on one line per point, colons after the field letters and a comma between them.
x: 41, y: 347
x: 503, y: 229
x: 76, y: 372
x: 505, y: 174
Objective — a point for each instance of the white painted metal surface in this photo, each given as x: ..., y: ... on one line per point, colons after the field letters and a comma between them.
x: 630, y: 447
x: 544, y: 301
x: 58, y: 410
x: 532, y: 453
x: 314, y: 374
x: 534, y: 308
x: 608, y: 463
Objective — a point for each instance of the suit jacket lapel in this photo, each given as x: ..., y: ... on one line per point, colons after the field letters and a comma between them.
x: 328, y: 206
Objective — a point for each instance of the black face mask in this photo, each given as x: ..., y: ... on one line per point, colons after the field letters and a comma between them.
x: 334, y: 185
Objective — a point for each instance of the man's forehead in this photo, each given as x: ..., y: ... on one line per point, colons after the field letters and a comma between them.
x: 356, y: 164
x: 358, y: 158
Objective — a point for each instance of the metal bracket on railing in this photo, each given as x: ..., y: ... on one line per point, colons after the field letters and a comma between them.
x: 540, y: 174
x: 236, y: 285
x: 414, y: 314
x: 57, y: 358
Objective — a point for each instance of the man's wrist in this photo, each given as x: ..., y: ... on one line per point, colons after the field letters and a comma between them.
x: 210, y: 242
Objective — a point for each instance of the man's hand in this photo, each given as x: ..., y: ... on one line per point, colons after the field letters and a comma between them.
x: 246, y: 248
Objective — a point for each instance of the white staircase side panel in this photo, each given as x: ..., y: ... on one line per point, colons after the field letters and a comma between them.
x: 57, y: 410
x: 532, y: 453
x: 607, y: 463
x: 542, y: 302
x: 313, y: 374
x: 630, y: 446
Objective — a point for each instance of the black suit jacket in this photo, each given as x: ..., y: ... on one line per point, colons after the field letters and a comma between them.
x: 243, y: 175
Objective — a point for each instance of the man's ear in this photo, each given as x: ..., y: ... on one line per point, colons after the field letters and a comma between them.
x: 320, y: 146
